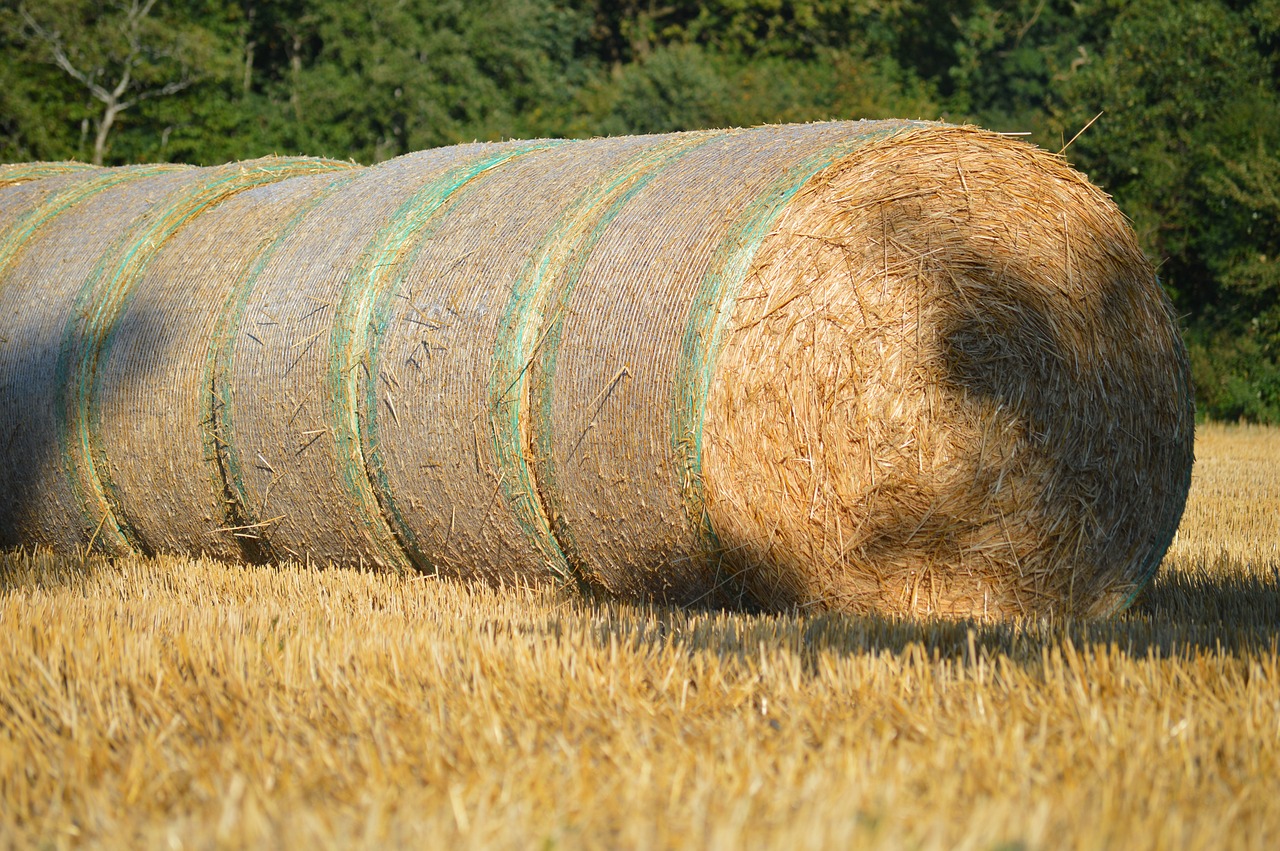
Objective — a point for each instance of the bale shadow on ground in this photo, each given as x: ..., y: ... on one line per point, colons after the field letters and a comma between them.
x: 1182, y: 614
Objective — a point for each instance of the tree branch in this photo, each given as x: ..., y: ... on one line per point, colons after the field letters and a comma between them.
x: 60, y: 58
x: 118, y: 97
x: 167, y: 89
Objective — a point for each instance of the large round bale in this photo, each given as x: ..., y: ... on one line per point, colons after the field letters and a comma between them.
x: 949, y: 383
x: 873, y: 366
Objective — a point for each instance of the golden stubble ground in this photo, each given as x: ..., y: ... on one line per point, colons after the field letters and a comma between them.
x: 178, y: 704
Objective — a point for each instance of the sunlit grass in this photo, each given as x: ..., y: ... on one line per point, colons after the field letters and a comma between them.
x: 176, y: 703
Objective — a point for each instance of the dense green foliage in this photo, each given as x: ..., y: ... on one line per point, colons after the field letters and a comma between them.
x: 1188, y: 92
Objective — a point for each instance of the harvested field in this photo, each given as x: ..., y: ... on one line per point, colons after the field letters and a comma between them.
x: 184, y: 703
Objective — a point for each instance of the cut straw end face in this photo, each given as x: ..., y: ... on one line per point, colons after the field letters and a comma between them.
x: 951, y: 385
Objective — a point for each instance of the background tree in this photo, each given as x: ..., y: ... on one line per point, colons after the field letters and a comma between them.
x: 119, y: 54
x: 1188, y: 140
x: 1188, y: 145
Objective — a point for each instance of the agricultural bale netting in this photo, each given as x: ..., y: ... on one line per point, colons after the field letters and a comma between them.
x: 871, y: 366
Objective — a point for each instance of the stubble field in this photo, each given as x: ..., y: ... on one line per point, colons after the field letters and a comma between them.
x: 188, y: 704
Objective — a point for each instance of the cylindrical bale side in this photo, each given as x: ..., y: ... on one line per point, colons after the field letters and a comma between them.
x: 155, y: 415
x: 891, y: 366
x: 456, y: 435
x: 302, y: 353
x: 101, y: 308
x: 51, y: 250
x: 16, y: 199
x: 26, y: 186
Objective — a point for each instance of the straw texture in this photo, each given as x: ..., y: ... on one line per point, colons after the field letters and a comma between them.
x: 893, y: 366
x: 15, y: 173
x: 949, y: 385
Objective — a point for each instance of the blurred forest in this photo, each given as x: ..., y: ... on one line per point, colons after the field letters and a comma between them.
x: 1188, y: 140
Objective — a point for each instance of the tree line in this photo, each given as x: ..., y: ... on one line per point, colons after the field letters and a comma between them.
x: 1172, y: 106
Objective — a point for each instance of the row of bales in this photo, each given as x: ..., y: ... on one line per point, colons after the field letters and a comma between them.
x: 869, y: 366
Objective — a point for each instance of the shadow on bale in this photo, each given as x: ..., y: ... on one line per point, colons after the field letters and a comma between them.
x: 45, y: 448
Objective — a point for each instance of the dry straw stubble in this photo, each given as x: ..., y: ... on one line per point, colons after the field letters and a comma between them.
x: 188, y: 703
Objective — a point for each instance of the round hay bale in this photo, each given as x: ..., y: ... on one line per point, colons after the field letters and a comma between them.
x: 312, y: 404
x: 873, y: 366
x: 73, y: 264
x: 949, y: 384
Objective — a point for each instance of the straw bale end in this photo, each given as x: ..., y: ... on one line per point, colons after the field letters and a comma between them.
x: 951, y: 385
